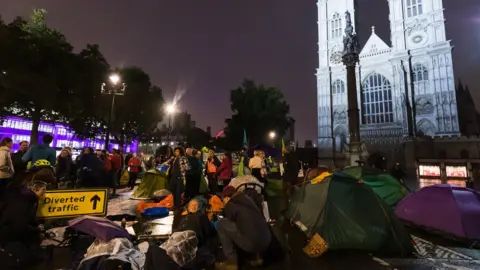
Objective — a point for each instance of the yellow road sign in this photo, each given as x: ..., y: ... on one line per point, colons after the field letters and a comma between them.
x: 71, y: 203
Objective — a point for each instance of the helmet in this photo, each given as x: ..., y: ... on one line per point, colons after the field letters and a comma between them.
x: 42, y: 163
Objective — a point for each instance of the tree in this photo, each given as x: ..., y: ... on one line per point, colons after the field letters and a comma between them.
x: 87, y: 114
x: 198, y: 138
x: 38, y: 73
x: 257, y: 109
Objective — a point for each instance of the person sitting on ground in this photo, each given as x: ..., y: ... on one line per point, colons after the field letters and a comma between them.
x: 20, y: 233
x: 195, y: 219
x: 244, y: 226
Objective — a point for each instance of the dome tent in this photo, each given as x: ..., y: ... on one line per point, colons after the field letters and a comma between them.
x: 347, y: 214
x: 152, y: 180
x: 451, y: 210
x: 385, y: 185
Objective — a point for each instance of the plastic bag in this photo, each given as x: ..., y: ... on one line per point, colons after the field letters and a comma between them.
x: 125, y: 178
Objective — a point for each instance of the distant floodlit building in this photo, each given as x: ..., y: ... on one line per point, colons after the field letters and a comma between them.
x: 19, y: 130
x: 416, y: 69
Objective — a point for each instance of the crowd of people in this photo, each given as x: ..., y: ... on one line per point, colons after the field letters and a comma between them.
x: 242, y: 224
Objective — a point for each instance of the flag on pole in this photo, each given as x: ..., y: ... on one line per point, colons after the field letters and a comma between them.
x: 245, y: 139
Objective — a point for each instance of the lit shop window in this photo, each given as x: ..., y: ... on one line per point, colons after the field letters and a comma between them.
x: 429, y: 182
x: 460, y: 183
x: 429, y: 170
x: 456, y: 171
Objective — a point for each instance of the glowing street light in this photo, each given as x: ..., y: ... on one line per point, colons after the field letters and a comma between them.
x: 272, y: 135
x: 114, y: 79
x: 170, y: 109
x: 114, y: 88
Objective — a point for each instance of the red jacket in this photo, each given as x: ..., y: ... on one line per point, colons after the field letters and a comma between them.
x: 224, y: 172
x: 116, y: 162
x: 134, y: 163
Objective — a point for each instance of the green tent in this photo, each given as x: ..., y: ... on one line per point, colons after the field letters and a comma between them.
x: 347, y: 214
x: 152, y: 180
x: 385, y: 185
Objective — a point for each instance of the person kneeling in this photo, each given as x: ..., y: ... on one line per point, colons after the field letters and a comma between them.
x: 244, y: 226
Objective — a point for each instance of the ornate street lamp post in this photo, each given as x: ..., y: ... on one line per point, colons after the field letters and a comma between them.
x: 115, y: 88
x: 351, y: 50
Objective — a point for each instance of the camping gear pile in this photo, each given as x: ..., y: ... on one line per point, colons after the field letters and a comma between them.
x: 112, y: 245
x: 341, y: 211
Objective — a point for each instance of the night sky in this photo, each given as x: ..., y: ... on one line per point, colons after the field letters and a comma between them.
x: 206, y: 47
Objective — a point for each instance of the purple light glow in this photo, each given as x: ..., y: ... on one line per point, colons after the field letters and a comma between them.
x: 19, y: 130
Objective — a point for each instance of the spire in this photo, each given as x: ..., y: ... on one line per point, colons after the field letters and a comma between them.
x: 373, y: 29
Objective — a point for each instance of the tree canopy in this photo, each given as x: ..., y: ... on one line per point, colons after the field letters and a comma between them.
x: 257, y: 109
x: 42, y: 78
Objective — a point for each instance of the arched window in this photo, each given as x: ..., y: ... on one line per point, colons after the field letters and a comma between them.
x: 377, y: 98
x: 420, y: 78
x: 420, y: 73
x: 414, y: 8
x: 336, y: 26
x: 338, y: 92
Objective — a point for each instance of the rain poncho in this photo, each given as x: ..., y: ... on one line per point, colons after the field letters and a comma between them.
x: 181, y: 247
x: 116, y: 249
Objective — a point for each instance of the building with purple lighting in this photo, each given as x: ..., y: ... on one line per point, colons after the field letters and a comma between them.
x: 19, y: 130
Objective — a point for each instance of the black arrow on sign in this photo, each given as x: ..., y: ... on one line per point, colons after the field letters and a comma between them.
x: 95, y: 199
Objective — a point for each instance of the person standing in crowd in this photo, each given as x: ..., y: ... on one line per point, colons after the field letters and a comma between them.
x: 256, y: 165
x: 225, y: 171
x: 107, y: 169
x: 211, y: 172
x: 91, y: 168
x: 127, y: 159
x: 6, y: 164
x: 134, y: 168
x: 18, y: 163
x: 41, y: 151
x: 243, y: 227
x: 178, y: 170
x: 116, y: 170
x: 64, y: 166
x: 194, y: 175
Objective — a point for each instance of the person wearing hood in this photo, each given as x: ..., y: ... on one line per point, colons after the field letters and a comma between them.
x: 244, y: 226
x: 6, y: 164
x: 20, y: 232
x: 41, y: 151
